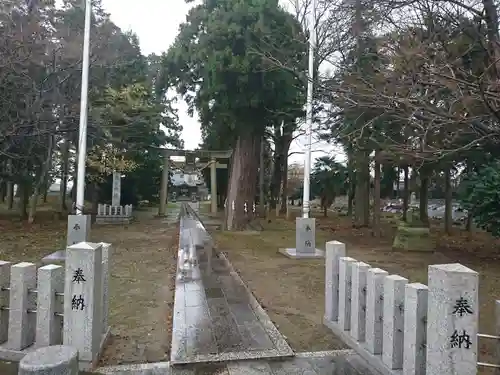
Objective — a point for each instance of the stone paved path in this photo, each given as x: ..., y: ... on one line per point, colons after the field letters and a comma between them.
x: 220, y: 329
x: 216, y: 318
x: 342, y: 362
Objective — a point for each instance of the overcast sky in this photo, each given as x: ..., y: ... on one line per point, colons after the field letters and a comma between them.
x: 156, y: 23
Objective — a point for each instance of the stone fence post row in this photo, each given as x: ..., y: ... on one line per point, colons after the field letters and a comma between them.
x: 400, y: 327
x: 55, y: 305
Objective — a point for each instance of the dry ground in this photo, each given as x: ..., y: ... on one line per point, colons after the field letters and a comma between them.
x: 293, y: 291
x: 143, y: 263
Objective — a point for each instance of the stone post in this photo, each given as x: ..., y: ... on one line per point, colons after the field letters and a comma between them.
x: 49, y: 303
x: 83, y: 299
x: 162, y: 210
x: 4, y: 299
x: 375, y: 310
x: 345, y: 292
x: 497, y: 330
x: 452, y: 320
x: 415, y: 329
x: 117, y: 187
x: 22, y: 321
x: 305, y: 235
x: 106, y: 249
x: 393, y: 305
x: 334, y: 251
x: 213, y: 186
x: 78, y: 229
x: 358, y: 301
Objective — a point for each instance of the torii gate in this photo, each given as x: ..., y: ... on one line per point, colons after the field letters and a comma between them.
x: 191, y: 156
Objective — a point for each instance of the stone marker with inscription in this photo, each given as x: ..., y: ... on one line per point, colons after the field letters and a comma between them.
x: 305, y: 240
x: 83, y: 301
x: 78, y: 229
x: 117, y: 186
x: 452, y: 321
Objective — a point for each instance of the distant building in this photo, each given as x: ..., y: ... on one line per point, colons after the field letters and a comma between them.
x: 296, y: 171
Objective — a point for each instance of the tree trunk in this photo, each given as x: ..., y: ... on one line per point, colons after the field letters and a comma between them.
x: 362, y: 198
x: 424, y: 197
x: 448, y: 218
x: 63, y: 192
x: 24, y: 190
x: 3, y: 191
x: 406, y: 192
x: 276, y: 180
x: 10, y: 195
x: 352, y: 186
x: 95, y: 200
x: 468, y: 223
x: 74, y: 188
x: 44, y: 170
x: 284, y: 174
x: 242, y: 185
x: 491, y: 18
x: 376, y: 197
x: 398, y: 190
x: 275, y: 184
x: 262, y: 207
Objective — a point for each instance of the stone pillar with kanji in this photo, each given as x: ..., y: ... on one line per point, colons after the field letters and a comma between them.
x: 452, y: 320
x: 83, y: 300
x: 78, y: 229
x: 117, y: 187
x: 213, y: 186
x: 305, y: 240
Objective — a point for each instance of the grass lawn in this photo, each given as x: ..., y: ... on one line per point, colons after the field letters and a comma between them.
x: 292, y: 291
x: 142, y: 269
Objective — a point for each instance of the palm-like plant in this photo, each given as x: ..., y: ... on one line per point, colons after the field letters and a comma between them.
x: 329, y: 179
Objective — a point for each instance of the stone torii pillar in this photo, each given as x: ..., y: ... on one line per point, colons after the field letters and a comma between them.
x: 213, y: 185
x: 164, y: 185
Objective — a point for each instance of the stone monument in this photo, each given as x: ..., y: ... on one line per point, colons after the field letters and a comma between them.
x: 305, y: 241
x: 117, y: 186
x: 114, y: 213
x: 413, y: 235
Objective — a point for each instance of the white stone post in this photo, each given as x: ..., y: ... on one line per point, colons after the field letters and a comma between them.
x: 213, y: 186
x: 452, y: 320
x: 48, y: 325
x: 22, y: 320
x: 497, y: 332
x: 345, y: 284
x: 392, y: 343
x: 358, y: 301
x: 305, y: 235
x: 106, y: 250
x: 374, y: 309
x: 83, y: 299
x: 415, y: 329
x: 117, y: 186
x: 78, y: 229
x: 4, y: 299
x: 334, y: 251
